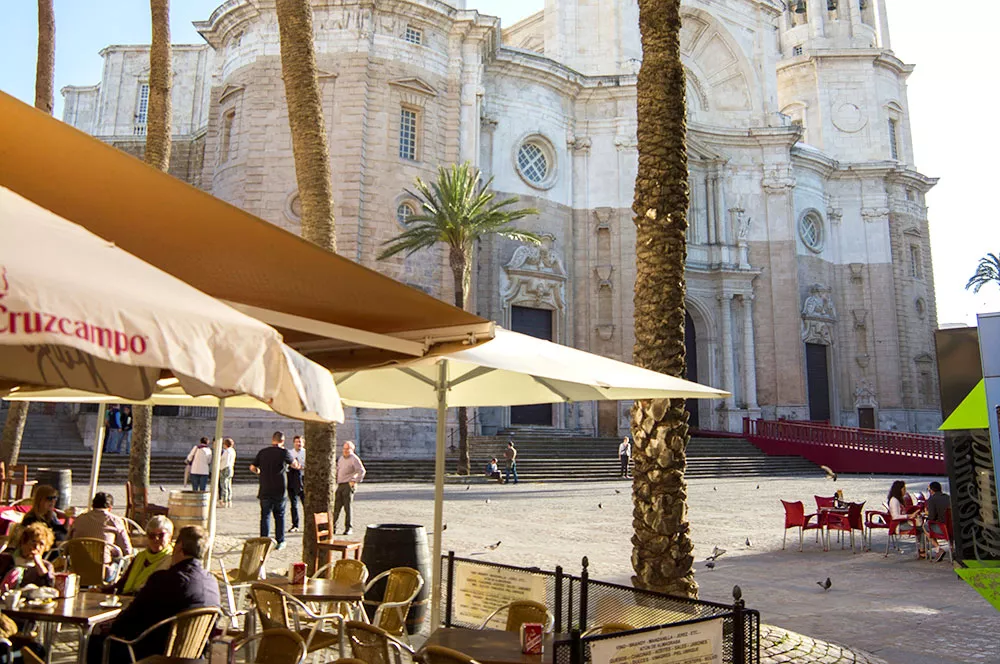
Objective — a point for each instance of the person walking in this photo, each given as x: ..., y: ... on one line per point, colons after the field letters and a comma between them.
x: 113, y: 422
x: 271, y: 467
x: 227, y: 468
x: 296, y: 485
x: 350, y: 471
x: 510, y: 456
x: 200, y: 461
x: 625, y: 455
x: 126, y: 439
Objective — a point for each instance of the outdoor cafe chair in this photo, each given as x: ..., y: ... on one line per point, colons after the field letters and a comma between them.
x: 608, y: 628
x: 875, y: 520
x: 372, y: 645
x: 402, y: 585
x: 273, y: 646
x: 187, y: 635
x: 846, y: 523
x: 87, y: 555
x: 941, y: 532
x: 273, y: 606
x: 522, y: 611
x: 253, y: 555
x: 900, y: 528
x: 442, y: 655
x: 137, y: 505
x: 796, y: 517
x: 345, y: 570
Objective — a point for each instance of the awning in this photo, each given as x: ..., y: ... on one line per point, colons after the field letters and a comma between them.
x: 312, y: 296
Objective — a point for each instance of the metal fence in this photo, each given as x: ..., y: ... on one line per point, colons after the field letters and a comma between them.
x: 579, y: 603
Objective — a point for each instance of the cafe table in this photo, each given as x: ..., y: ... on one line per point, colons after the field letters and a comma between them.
x: 163, y: 659
x: 492, y: 646
x: 82, y: 611
x: 320, y: 590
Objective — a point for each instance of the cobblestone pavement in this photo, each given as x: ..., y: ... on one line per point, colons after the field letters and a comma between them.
x: 899, y: 609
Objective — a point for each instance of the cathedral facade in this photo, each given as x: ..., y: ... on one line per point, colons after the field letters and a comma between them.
x: 810, y: 289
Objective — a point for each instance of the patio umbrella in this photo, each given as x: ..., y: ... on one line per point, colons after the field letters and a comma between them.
x: 512, y: 369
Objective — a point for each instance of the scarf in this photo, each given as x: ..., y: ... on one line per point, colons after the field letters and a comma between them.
x: 143, y: 567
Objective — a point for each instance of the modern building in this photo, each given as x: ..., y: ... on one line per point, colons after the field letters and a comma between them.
x: 810, y: 289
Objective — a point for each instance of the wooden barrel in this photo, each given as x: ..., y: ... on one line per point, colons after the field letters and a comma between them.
x: 60, y: 479
x: 188, y: 508
x: 389, y: 545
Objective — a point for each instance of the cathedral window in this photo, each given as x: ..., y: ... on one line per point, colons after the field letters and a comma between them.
x: 408, y: 133
x: 916, y: 264
x: 228, y: 124
x: 141, y: 110
x: 404, y: 211
x: 535, y: 162
x: 811, y: 231
x: 797, y: 50
x: 413, y: 35
x: 893, y: 140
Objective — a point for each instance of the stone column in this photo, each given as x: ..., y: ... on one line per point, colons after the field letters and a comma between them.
x: 883, y: 26
x: 817, y: 17
x: 728, y: 367
x: 469, y: 102
x: 749, y: 356
x: 710, y: 207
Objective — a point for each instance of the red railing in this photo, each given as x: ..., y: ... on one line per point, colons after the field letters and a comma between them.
x: 849, y: 450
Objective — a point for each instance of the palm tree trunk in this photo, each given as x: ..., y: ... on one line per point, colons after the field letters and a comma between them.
x: 312, y: 172
x: 45, y: 72
x: 157, y: 155
x: 661, y: 543
x: 461, y: 272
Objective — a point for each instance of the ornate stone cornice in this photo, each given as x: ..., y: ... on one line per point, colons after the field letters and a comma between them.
x: 875, y: 214
x: 777, y: 179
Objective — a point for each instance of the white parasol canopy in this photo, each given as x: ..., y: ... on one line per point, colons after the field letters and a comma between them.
x: 512, y: 369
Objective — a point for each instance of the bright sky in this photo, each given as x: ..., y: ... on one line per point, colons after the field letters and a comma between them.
x: 950, y: 93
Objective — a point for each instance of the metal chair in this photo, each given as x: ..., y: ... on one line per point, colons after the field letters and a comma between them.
x: 272, y: 605
x: 522, y: 611
x: 252, y: 558
x: 186, y: 637
x: 345, y: 570
x: 402, y: 586
x: 608, y: 628
x: 442, y: 655
x: 796, y: 517
x: 941, y: 533
x: 372, y: 645
x: 88, y: 557
x: 274, y: 646
x: 846, y: 523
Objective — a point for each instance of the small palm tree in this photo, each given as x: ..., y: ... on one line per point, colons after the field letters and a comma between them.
x: 456, y: 210
x: 987, y: 272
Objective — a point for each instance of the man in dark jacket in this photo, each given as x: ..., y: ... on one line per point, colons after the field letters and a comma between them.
x: 937, y: 510
x: 186, y: 585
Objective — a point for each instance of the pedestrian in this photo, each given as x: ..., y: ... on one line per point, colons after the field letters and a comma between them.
x: 113, y: 422
x: 296, y: 486
x: 350, y: 471
x: 227, y: 467
x: 271, y: 467
x: 199, y: 459
x: 126, y: 421
x: 625, y: 455
x: 510, y: 456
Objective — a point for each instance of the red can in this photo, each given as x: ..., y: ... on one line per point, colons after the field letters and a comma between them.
x: 298, y: 572
x: 532, y: 638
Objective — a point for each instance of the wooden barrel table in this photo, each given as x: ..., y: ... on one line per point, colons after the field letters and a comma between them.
x: 389, y: 545
x: 189, y: 508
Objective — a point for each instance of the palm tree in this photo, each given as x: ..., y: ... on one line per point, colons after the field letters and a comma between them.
x: 312, y: 173
x: 456, y: 211
x: 661, y: 543
x: 45, y: 72
x: 987, y: 272
x: 157, y: 155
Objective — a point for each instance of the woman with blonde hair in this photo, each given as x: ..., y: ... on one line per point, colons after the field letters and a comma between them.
x: 26, y: 563
x: 43, y: 510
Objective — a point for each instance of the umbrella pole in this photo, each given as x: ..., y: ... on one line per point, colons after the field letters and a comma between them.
x: 213, y: 485
x: 95, y: 464
x: 439, y: 458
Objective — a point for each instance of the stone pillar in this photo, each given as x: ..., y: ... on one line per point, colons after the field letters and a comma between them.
x: 749, y: 359
x: 728, y: 367
x: 710, y: 207
x: 469, y: 103
x: 883, y: 26
x: 817, y: 17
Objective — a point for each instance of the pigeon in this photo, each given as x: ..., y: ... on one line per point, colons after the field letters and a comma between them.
x: 493, y: 547
x: 758, y: 487
x: 737, y: 593
x: 825, y: 585
x: 618, y: 491
x: 716, y: 553
x: 829, y: 472
x: 444, y: 527
x: 710, y: 564
x: 748, y: 541
x: 600, y: 506
x: 467, y: 487
x: 714, y: 489
x: 162, y: 489
x: 487, y: 501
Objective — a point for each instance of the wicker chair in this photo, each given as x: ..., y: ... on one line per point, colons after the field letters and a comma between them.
x: 345, y: 570
x: 442, y: 655
x: 523, y: 611
x: 87, y: 557
x: 608, y: 628
x: 187, y: 635
x: 274, y: 646
x: 372, y: 645
x: 272, y: 605
x: 402, y: 585
x: 254, y: 553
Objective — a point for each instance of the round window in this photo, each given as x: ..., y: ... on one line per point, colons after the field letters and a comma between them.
x: 811, y: 231
x: 535, y: 162
x: 403, y: 212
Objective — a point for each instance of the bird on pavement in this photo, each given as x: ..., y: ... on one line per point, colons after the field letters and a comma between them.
x: 737, y: 593
x: 716, y: 553
x: 493, y: 547
x: 467, y: 487
x: 710, y: 564
x: 618, y: 491
x: 748, y: 541
x: 487, y: 501
x: 829, y: 472
x: 600, y: 506
x: 825, y: 585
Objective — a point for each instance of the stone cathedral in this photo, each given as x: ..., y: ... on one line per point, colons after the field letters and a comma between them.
x: 810, y: 289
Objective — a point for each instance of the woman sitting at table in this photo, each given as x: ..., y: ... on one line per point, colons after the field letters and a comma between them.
x: 907, y: 524
x: 156, y: 557
x: 43, y: 510
x: 26, y: 564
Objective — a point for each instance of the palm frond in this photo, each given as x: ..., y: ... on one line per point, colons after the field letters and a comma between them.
x: 988, y: 271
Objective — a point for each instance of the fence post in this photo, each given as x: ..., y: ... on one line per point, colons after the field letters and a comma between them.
x: 739, y: 632
x: 584, y: 579
x: 558, y: 603
x: 575, y: 647
x: 448, y: 590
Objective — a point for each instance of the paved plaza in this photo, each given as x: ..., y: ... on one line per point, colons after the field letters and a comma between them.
x: 897, y: 609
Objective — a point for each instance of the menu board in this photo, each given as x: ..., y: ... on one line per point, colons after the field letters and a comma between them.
x: 700, y: 643
x: 481, y: 590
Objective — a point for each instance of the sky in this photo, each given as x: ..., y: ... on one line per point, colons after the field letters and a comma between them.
x: 950, y: 93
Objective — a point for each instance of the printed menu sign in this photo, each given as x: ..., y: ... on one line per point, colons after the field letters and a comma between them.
x: 700, y: 643
x: 480, y: 590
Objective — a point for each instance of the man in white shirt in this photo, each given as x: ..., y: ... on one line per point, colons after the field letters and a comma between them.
x: 625, y: 455
x: 350, y: 471
x: 227, y: 467
x: 296, y: 484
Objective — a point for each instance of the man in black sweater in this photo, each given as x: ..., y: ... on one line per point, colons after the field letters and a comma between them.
x: 937, y: 510
x: 186, y: 585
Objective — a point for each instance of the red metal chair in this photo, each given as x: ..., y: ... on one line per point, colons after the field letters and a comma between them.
x: 796, y: 517
x: 901, y: 528
x: 941, y: 533
x: 847, y: 523
x: 875, y: 520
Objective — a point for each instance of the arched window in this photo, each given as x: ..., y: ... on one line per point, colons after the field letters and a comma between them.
x: 404, y: 211
x: 811, y: 231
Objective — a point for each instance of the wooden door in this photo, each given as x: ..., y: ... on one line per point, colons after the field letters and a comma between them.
x: 536, y: 323
x: 818, y: 382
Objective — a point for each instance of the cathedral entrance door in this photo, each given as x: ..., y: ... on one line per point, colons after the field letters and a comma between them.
x: 691, y: 373
x: 607, y: 419
x: 866, y: 418
x: 818, y: 382
x: 535, y: 323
